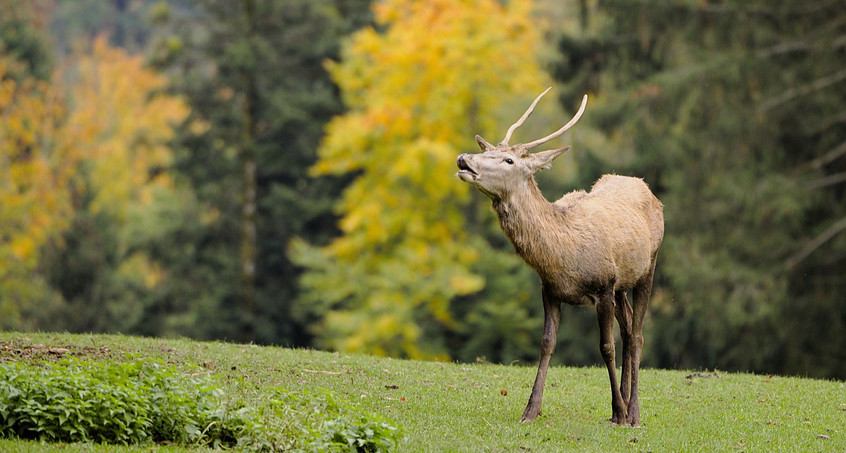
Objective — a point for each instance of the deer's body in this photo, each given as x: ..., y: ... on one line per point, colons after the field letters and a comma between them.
x: 584, y: 240
x: 587, y: 248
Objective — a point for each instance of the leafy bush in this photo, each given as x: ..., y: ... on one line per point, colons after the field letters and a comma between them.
x: 322, y: 423
x: 123, y: 403
x: 145, y: 401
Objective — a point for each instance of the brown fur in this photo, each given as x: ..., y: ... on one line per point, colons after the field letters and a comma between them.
x: 585, y: 239
x: 587, y: 248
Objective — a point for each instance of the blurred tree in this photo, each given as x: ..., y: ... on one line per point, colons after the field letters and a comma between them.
x: 34, y: 170
x: 34, y: 202
x: 252, y: 71
x: 24, y: 48
x: 415, y: 84
x: 76, y: 23
x: 122, y: 120
x: 118, y: 108
x: 123, y: 262
x: 733, y: 112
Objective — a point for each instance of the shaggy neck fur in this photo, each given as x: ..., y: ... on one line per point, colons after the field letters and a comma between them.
x: 525, y: 216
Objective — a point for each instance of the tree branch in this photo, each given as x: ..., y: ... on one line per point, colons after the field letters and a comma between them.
x: 820, y: 38
x: 816, y: 243
x: 758, y: 9
x: 832, y: 121
x: 828, y: 157
x: 816, y: 85
x: 829, y: 180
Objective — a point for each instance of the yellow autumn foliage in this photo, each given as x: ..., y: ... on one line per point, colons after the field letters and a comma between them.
x: 34, y: 172
x: 100, y: 129
x: 119, y: 111
x: 414, y: 87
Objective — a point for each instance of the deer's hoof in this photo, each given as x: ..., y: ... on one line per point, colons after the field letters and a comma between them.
x: 529, y: 415
x: 634, y: 422
x: 619, y: 421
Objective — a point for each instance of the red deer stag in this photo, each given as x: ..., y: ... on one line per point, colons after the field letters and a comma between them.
x: 588, y: 248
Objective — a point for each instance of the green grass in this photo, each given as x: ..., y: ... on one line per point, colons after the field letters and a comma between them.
x: 476, y: 407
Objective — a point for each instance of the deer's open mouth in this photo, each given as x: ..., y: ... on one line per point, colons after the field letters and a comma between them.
x: 464, y: 171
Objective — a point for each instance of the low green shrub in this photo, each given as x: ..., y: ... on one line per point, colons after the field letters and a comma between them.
x: 145, y: 401
x: 312, y: 422
x: 118, y: 403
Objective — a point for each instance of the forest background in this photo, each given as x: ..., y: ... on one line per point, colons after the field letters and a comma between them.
x: 281, y: 172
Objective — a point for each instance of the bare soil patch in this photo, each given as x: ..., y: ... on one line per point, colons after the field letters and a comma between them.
x: 23, y: 350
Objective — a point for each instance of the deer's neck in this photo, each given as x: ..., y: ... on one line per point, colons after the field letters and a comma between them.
x: 531, y: 223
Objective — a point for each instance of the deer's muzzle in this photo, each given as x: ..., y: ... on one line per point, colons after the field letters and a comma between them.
x: 466, y: 173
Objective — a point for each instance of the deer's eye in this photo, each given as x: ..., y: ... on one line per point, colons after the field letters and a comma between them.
x: 509, y: 161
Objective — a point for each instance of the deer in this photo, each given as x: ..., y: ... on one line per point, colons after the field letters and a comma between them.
x: 588, y: 248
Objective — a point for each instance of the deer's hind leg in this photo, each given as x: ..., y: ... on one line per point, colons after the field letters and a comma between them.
x: 605, y: 315
x: 623, y: 312
x: 642, y: 292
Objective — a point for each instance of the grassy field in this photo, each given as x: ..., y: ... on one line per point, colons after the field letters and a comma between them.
x: 476, y: 407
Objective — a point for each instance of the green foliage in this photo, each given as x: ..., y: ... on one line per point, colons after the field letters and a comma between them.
x: 320, y: 422
x: 144, y: 401
x: 125, y: 403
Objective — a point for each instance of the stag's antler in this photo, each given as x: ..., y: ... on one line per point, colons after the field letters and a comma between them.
x: 549, y: 137
x: 562, y: 130
x: 519, y: 122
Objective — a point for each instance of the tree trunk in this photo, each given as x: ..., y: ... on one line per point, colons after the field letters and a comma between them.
x: 249, y: 186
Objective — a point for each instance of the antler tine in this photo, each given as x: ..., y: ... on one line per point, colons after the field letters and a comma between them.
x: 522, y: 118
x: 562, y: 130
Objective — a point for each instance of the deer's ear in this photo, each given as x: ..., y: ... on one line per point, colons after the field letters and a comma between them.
x: 484, y: 145
x: 543, y: 159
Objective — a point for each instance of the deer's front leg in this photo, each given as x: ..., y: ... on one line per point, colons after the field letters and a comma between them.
x: 551, y: 317
x: 605, y: 315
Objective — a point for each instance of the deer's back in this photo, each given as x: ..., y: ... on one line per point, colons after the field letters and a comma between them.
x: 631, y: 197
x: 617, y: 229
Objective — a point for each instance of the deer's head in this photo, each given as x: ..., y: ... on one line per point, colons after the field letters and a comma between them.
x: 500, y: 169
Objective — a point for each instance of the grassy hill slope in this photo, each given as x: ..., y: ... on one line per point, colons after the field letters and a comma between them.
x: 476, y: 407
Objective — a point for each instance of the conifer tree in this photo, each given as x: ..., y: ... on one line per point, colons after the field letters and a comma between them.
x: 733, y: 111
x: 253, y: 74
